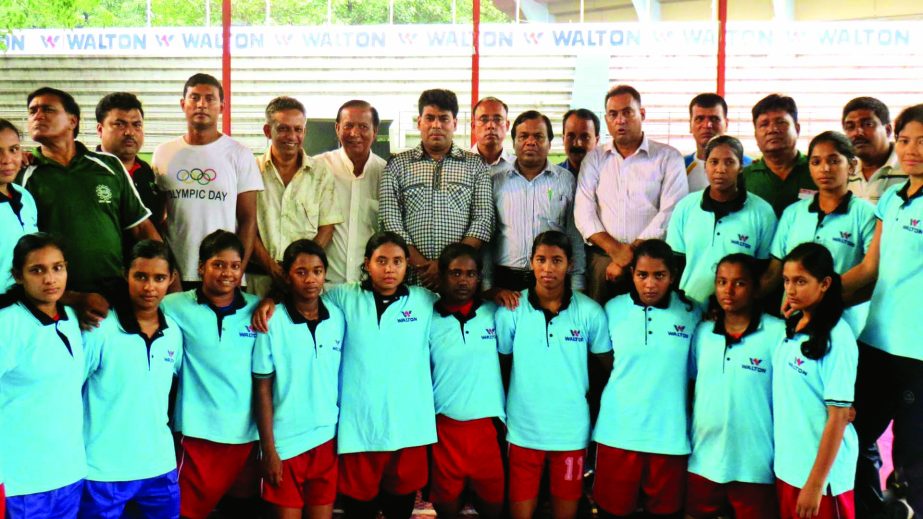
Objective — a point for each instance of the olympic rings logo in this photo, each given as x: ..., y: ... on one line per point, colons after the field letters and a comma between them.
x: 197, y: 176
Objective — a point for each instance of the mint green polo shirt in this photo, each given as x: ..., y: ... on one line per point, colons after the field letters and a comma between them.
x: 732, y: 406
x: 761, y: 181
x: 41, y: 408
x: 644, y: 405
x: 305, y: 367
x: 18, y: 217
x: 127, y: 396
x: 546, y: 406
x: 87, y: 204
x: 705, y: 231
x: 215, y: 397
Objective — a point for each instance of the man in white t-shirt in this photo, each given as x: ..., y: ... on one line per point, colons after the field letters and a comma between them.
x: 210, y: 180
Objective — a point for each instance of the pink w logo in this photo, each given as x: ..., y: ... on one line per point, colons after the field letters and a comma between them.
x: 743, y: 237
x: 799, y: 361
x: 575, y: 333
x: 532, y: 38
x: 845, y: 235
x: 679, y: 327
x: 170, y: 353
x: 756, y: 362
x: 407, y: 38
x: 407, y: 313
x: 914, y: 222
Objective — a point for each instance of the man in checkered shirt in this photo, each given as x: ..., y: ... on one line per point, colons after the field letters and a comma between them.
x: 436, y: 193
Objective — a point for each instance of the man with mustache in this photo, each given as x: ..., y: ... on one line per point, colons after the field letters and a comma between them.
x: 489, y: 124
x: 707, y: 119
x: 120, y: 127
x: 781, y: 176
x: 867, y: 123
x: 436, y: 193
x: 581, y: 133
x: 210, y: 180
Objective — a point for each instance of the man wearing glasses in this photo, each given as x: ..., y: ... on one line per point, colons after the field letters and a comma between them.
x: 489, y: 124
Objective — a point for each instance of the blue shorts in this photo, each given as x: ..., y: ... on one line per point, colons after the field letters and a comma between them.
x: 60, y: 503
x: 153, y: 498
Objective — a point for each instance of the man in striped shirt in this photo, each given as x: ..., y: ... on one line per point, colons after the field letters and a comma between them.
x: 436, y: 193
x: 533, y: 197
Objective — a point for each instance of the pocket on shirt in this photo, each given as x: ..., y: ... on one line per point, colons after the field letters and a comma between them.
x: 311, y: 217
x: 459, y: 195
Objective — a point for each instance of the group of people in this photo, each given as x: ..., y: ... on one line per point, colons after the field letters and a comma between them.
x: 468, y: 321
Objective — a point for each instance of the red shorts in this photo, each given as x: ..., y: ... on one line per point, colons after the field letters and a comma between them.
x: 208, y: 470
x: 364, y: 474
x: 565, y: 473
x: 705, y: 498
x: 467, y: 451
x: 831, y: 507
x: 626, y: 480
x: 309, y: 478
x: 2, y: 500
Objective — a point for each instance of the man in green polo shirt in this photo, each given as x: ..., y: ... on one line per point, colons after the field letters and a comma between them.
x: 86, y: 198
x: 781, y: 176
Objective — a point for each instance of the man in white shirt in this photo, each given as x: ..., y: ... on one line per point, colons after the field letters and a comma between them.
x: 867, y: 123
x: 210, y: 180
x: 298, y: 201
x: 357, y: 172
x: 707, y: 119
x: 626, y: 191
x: 489, y: 124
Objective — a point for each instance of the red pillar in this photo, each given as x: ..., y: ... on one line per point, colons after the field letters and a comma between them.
x: 476, y: 57
x: 722, y: 44
x: 226, y: 65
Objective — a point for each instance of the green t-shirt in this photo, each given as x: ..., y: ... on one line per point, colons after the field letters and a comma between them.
x: 86, y: 204
x: 761, y: 181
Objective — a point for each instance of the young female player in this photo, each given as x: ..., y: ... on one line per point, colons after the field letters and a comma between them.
x: 642, y: 448
x: 18, y: 215
x: 730, y: 468
x: 723, y: 219
x: 467, y: 389
x: 387, y: 416
x: 42, y: 461
x: 548, y: 339
x: 834, y: 218
x: 296, y: 376
x: 890, y: 379
x: 131, y: 361
x: 214, y: 400
x: 813, y: 379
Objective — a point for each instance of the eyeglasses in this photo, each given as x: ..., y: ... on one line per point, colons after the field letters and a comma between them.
x: 485, y: 120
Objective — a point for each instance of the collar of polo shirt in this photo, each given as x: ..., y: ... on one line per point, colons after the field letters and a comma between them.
x: 129, y: 322
x: 756, y: 323
x: 841, y: 208
x: 905, y: 189
x: 565, y: 300
x: 636, y: 299
x: 239, y: 301
x: 322, y: 312
x: 440, y: 308
x: 731, y: 206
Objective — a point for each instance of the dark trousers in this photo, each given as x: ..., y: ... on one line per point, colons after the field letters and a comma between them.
x: 597, y: 287
x: 513, y: 279
x: 888, y: 388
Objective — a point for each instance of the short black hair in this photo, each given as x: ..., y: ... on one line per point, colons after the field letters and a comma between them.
x: 868, y: 103
x: 908, y: 115
x: 528, y: 116
x: 775, y: 102
x: 204, y: 79
x: 441, y: 98
x: 581, y: 113
x: 218, y: 241
x: 489, y: 99
x: 303, y: 246
x: 708, y: 100
x: 454, y: 251
x: 7, y: 125
x: 117, y: 100
x: 283, y: 103
x: 67, y: 101
x: 363, y: 105
x: 623, y: 89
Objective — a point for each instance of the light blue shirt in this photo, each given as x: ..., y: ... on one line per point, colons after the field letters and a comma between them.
x: 13, y: 227
x: 386, y: 388
x: 732, y: 406
x: 705, y: 236
x: 801, y: 391
x: 41, y: 410
x: 644, y: 405
x: 466, y: 369
x: 126, y: 398
x: 846, y: 232
x: 215, y: 397
x: 894, y: 325
x: 305, y: 368
x: 546, y: 406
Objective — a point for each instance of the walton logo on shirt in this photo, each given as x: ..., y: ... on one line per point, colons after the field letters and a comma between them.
x: 170, y: 358
x: 845, y: 239
x: 491, y: 333
x: 679, y: 330
x: 741, y: 241
x: 337, y: 346
x: 575, y: 336
x: 796, y: 365
x: 407, y: 317
x: 754, y: 365
x: 914, y: 226
x: 251, y: 333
